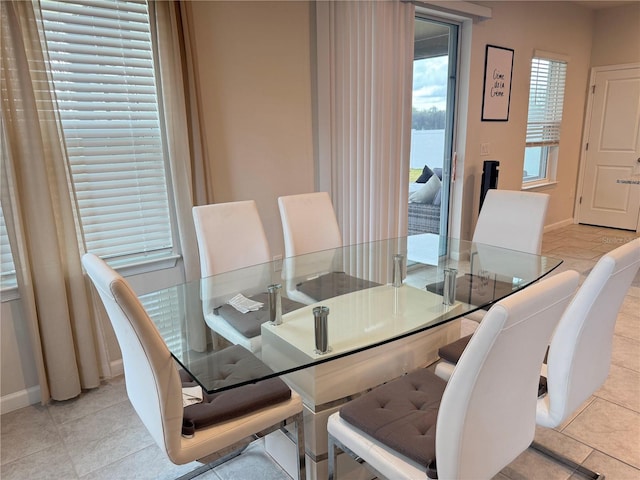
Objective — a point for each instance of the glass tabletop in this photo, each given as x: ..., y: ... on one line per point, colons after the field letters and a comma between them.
x: 331, y: 304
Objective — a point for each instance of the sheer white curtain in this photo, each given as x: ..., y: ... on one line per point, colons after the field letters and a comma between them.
x: 190, y: 174
x: 190, y: 171
x: 365, y: 72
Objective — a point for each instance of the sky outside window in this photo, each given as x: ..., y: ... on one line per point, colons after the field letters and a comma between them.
x: 430, y: 83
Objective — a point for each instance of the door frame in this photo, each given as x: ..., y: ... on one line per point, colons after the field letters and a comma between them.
x: 452, y: 114
x: 586, y: 129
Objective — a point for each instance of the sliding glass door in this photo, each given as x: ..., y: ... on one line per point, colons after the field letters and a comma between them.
x: 434, y: 89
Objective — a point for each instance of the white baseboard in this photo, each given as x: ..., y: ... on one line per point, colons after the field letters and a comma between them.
x: 557, y: 225
x: 117, y: 368
x: 20, y: 399
x: 31, y: 395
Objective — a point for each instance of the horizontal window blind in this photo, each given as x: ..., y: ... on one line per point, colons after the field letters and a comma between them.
x: 546, y: 99
x: 103, y: 74
x: 7, y: 267
x: 165, y: 308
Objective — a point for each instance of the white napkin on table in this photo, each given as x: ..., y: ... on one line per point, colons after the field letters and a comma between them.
x: 244, y: 304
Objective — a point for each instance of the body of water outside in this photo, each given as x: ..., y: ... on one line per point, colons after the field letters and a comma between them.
x: 427, y: 148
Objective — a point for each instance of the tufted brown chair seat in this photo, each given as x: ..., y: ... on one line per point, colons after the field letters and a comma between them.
x: 249, y: 324
x: 232, y: 365
x: 332, y: 285
x: 453, y: 351
x: 402, y: 414
x: 473, y: 290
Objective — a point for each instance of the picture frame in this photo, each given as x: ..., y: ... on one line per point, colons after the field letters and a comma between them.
x: 496, y: 97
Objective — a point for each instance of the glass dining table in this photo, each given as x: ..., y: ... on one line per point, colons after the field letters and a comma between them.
x: 336, y: 323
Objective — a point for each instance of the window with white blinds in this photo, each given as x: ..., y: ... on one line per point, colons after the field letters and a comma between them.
x: 102, y: 65
x: 546, y: 98
x: 7, y: 268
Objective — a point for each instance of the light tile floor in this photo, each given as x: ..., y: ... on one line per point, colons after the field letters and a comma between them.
x: 99, y: 436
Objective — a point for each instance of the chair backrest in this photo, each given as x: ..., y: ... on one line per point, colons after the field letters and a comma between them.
x: 153, y: 383
x: 230, y: 236
x: 487, y: 413
x: 309, y: 223
x: 512, y: 219
x: 580, y: 351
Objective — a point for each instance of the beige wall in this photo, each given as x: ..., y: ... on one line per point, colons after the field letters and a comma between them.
x: 616, y: 38
x: 559, y: 27
x: 254, y: 73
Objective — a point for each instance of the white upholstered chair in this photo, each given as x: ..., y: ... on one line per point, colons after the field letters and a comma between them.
x: 512, y: 219
x: 309, y: 225
x: 579, y: 355
x: 508, y: 219
x: 154, y: 384
x: 230, y: 236
x: 478, y: 422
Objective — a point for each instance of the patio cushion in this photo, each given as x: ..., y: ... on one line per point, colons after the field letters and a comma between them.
x: 425, y: 175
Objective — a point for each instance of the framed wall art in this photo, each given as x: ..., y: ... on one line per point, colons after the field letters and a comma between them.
x: 498, y: 67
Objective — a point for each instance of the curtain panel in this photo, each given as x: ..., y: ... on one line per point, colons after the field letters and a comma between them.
x: 179, y: 96
x: 190, y: 171
x: 42, y: 221
x: 365, y: 73
x: 52, y: 287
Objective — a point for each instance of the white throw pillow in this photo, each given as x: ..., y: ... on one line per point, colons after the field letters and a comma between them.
x: 427, y: 192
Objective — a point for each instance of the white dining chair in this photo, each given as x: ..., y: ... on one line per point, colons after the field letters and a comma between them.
x: 230, y: 420
x: 579, y: 355
x: 419, y: 426
x: 508, y: 219
x: 231, y: 237
x: 309, y: 225
x: 512, y: 219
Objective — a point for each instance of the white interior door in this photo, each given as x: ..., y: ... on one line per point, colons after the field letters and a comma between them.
x: 613, y: 151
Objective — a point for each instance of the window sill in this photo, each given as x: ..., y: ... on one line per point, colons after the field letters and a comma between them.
x: 126, y: 271
x: 537, y: 186
x: 9, y: 294
x: 148, y: 266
